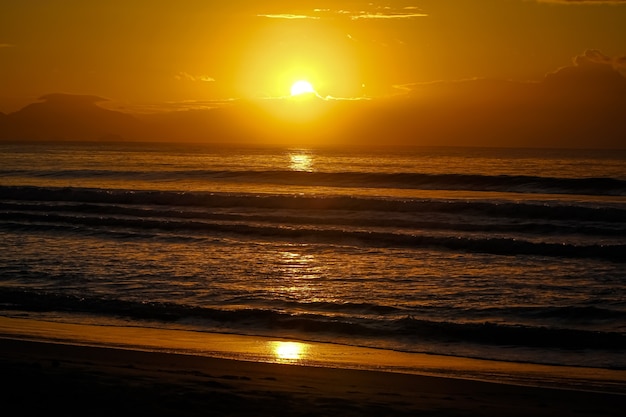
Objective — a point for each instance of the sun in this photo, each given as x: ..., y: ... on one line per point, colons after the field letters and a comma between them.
x: 301, y: 87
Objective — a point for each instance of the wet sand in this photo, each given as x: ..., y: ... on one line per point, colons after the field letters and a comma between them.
x: 44, y: 377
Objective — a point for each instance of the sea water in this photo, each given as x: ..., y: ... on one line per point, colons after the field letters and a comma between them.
x: 505, y: 254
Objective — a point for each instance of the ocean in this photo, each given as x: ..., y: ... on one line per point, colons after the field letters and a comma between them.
x: 502, y: 254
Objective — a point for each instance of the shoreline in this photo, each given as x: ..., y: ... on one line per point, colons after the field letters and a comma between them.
x: 78, y: 380
x: 275, y: 350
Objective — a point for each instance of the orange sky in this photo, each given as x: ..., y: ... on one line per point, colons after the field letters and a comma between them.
x: 145, y: 56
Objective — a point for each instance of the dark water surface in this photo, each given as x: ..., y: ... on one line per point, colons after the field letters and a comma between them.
x: 510, y: 254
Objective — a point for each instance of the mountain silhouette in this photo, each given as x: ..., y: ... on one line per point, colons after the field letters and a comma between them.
x: 69, y: 117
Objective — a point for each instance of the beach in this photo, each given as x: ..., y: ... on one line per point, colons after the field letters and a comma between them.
x: 80, y: 380
x: 76, y: 373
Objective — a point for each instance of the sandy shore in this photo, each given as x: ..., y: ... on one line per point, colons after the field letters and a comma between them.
x: 43, y: 377
x: 89, y: 369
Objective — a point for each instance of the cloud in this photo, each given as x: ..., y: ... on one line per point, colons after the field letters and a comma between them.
x: 583, y: 1
x: 171, y: 106
x: 65, y: 99
x: 373, y: 12
x: 287, y: 16
x: 188, y: 77
x: 591, y: 72
x: 579, y: 105
x: 386, y: 12
x: 593, y: 69
x: 620, y: 64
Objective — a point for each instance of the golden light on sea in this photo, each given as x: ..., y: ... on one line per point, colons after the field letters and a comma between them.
x: 288, y: 351
x: 301, y: 161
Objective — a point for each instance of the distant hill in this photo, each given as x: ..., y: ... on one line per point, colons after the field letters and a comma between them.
x: 69, y: 117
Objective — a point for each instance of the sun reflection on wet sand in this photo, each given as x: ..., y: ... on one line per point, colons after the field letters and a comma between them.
x: 288, y: 352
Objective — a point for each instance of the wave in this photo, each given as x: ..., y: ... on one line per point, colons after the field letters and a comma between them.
x: 496, y: 246
x: 299, y: 202
x: 18, y: 209
x: 260, y: 320
x: 463, y: 182
x: 475, y: 226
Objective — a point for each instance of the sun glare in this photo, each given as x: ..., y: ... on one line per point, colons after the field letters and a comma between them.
x: 288, y: 351
x: 301, y: 87
x: 301, y: 161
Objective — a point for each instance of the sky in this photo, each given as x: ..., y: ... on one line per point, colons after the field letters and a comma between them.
x: 149, y: 56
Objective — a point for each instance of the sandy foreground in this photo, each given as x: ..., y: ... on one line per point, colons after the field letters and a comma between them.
x: 75, y: 375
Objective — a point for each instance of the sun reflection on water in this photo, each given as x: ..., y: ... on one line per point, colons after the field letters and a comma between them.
x: 297, y: 277
x: 287, y: 352
x: 301, y: 161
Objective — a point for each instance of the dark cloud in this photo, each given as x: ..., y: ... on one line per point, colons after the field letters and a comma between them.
x: 591, y: 70
x: 582, y: 105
